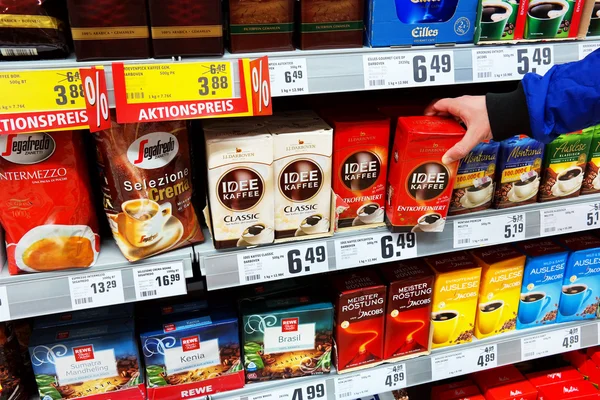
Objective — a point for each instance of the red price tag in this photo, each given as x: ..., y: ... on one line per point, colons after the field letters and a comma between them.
x: 261, y: 86
x: 96, y: 98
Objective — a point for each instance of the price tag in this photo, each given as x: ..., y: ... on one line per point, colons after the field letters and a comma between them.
x: 463, y: 362
x: 374, y: 249
x: 159, y: 280
x: 406, y: 69
x: 307, y: 391
x: 535, y: 59
x: 41, y: 100
x: 288, y: 76
x: 586, y: 48
x: 289, y: 261
x: 494, y: 64
x: 96, y: 289
x: 489, y: 230
x: 380, y: 380
x: 546, y: 344
x: 4, y: 308
x: 573, y: 218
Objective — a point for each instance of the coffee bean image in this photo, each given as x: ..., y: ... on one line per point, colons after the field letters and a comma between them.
x: 543, y: 10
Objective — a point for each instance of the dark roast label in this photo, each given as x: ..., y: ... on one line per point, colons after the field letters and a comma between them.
x: 300, y: 180
x: 360, y: 170
x: 428, y: 181
x: 240, y: 189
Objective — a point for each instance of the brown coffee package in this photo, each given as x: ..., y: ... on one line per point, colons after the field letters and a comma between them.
x: 330, y: 24
x: 147, y: 187
x: 109, y: 29
x: 32, y: 29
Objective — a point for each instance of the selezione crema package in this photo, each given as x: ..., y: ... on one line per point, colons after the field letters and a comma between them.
x: 147, y: 187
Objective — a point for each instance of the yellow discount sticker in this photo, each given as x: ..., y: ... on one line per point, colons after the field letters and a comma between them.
x: 165, y: 83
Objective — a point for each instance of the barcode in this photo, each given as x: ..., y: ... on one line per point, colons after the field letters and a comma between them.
x: 18, y: 52
x: 148, y: 293
x: 529, y: 354
x: 84, y: 300
x: 484, y: 74
x: 135, y: 96
x: 550, y: 229
x: 250, y: 278
x: 464, y: 241
x: 376, y: 82
x: 343, y: 395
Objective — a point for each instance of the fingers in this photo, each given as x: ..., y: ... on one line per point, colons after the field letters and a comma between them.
x: 462, y: 148
x: 443, y: 107
x: 430, y: 110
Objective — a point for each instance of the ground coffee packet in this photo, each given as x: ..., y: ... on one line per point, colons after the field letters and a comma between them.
x: 147, y: 187
x: 330, y: 24
x: 591, y: 181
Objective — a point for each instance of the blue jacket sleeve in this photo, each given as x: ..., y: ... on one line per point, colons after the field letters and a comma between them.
x: 564, y: 100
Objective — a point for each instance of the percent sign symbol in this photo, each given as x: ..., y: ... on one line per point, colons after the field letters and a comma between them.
x: 260, y: 86
x: 93, y: 95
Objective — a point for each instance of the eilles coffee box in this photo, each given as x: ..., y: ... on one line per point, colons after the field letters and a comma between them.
x: 410, y: 22
x: 286, y: 337
x: 191, y: 355
x: 419, y: 184
x: 87, y: 360
x: 542, y: 282
x: 408, y: 309
x: 359, y: 319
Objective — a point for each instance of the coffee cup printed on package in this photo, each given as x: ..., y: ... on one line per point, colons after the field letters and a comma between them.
x: 498, y: 19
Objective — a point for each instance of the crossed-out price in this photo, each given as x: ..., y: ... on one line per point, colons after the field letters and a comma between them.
x: 486, y: 357
x: 514, y: 227
x: 396, y: 377
x: 593, y: 216
x: 68, y: 92
x: 299, y: 262
x: 571, y: 338
x: 536, y: 59
x: 390, y: 249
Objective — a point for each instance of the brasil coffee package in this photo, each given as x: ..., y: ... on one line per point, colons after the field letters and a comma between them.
x: 47, y: 208
x: 146, y: 179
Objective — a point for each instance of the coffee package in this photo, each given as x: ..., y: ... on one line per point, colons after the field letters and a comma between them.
x: 331, y: 24
x: 518, y: 170
x: 499, y: 20
x: 32, y: 29
x: 591, y: 181
x: 240, y: 183
x: 565, y: 160
x: 109, y: 29
x: 359, y: 319
x: 186, y: 27
x: 475, y: 179
x: 469, y: 392
x: 455, y: 295
x: 581, y: 283
x: 499, y: 289
x: 408, y: 309
x: 47, y: 208
x: 360, y: 159
x: 419, y: 184
x: 542, y: 282
x: 267, y: 25
x: 594, y: 26
x: 525, y: 390
x: 576, y: 390
x: 146, y: 180
x: 16, y: 377
x: 553, y: 376
x: 551, y: 19
x: 494, y: 377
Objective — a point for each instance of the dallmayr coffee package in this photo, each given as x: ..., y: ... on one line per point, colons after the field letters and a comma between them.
x: 518, y: 170
x: 565, y: 160
x: 419, y: 184
x: 475, y: 179
x: 591, y: 179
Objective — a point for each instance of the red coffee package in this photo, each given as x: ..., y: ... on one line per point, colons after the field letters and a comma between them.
x: 46, y: 207
x: 147, y: 186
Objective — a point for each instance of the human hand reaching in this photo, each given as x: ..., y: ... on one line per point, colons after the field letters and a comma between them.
x: 472, y: 111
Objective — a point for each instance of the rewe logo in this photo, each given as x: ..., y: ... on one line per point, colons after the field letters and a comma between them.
x: 190, y: 343
x: 169, y: 328
x: 289, y: 325
x: 83, y: 353
x: 154, y: 150
x: 26, y: 149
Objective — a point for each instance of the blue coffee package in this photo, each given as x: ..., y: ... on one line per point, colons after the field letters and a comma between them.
x: 420, y: 22
x: 581, y: 284
x: 542, y: 282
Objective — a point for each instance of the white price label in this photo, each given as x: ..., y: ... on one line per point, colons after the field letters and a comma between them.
x: 408, y: 68
x: 307, y: 391
x: 586, y: 48
x: 494, y: 64
x: 289, y: 261
x: 159, y: 280
x: 289, y: 76
x: 369, y: 383
x: 374, y: 249
x: 546, y: 344
x: 535, y: 59
x: 464, y: 362
x: 489, y: 230
x: 572, y: 218
x: 96, y: 289
x: 4, y: 308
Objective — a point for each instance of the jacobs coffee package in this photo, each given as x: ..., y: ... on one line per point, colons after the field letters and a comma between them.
x: 499, y: 20
x: 331, y: 24
x: 518, y: 170
x: 591, y: 179
x: 146, y: 180
x: 551, y: 19
x: 565, y: 160
x: 594, y: 27
x: 47, y: 208
x: 475, y: 179
x: 419, y: 184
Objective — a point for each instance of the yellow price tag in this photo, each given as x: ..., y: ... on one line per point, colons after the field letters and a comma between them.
x: 157, y: 83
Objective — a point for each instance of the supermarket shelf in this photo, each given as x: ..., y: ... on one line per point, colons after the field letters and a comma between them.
x: 44, y: 293
x: 222, y: 269
x: 425, y: 369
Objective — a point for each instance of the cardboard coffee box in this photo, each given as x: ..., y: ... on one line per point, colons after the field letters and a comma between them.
x: 330, y: 24
x: 553, y: 376
x: 499, y: 20
x: 594, y: 22
x: 580, y: 390
x: 463, y: 392
x: 522, y: 390
x: 591, y: 181
x: 491, y: 378
x: 551, y: 19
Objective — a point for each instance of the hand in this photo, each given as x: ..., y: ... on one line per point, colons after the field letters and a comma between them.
x: 473, y: 112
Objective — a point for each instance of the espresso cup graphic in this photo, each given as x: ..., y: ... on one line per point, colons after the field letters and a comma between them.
x: 594, y: 29
x: 258, y: 234
x: 370, y: 213
x: 489, y: 316
x: 479, y: 194
x: 444, y: 325
x: 494, y: 16
x: 431, y: 222
x: 527, y: 187
x: 144, y: 221
x: 572, y: 297
x: 544, y: 18
x: 315, y: 224
x: 570, y: 179
x: 532, y: 306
